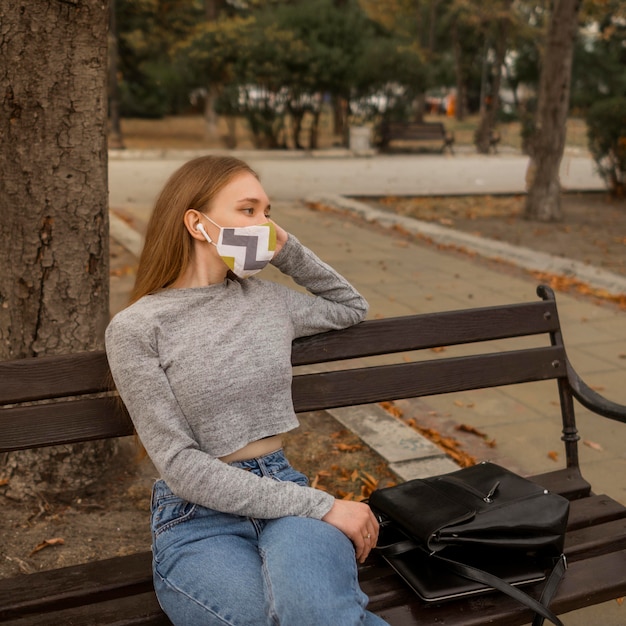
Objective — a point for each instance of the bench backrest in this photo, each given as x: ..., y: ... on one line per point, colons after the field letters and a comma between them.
x: 67, y: 399
x: 417, y: 130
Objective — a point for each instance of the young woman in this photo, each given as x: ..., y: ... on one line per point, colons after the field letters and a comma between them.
x: 201, y: 359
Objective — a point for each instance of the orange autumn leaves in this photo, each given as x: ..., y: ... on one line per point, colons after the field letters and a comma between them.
x: 567, y: 284
x: 451, y: 446
x: 359, y: 484
x: 351, y: 479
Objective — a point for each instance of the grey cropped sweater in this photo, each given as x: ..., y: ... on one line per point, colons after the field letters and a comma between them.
x: 204, y: 371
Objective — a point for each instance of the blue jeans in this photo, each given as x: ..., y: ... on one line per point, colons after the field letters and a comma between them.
x: 217, y: 568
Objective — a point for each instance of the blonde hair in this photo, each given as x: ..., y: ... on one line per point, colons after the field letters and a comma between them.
x: 168, y: 245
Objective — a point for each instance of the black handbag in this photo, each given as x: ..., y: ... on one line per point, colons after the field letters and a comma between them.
x: 474, y: 530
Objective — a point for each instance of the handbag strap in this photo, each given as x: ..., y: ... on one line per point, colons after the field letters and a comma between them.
x: 550, y: 587
x: 539, y: 607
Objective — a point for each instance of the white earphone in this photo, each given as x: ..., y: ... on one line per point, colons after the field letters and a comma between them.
x: 200, y: 227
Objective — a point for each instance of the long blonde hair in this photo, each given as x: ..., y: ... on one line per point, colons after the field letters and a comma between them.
x: 168, y: 245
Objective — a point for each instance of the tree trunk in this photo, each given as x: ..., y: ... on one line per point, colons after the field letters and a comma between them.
x: 54, y: 287
x: 116, y: 140
x: 490, y: 108
x: 543, y: 202
x: 212, y: 9
x: 211, y: 122
x: 460, y: 74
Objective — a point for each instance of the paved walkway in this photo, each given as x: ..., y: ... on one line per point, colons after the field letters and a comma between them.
x: 399, y: 277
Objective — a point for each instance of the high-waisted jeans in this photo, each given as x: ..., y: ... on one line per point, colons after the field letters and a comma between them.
x: 217, y: 568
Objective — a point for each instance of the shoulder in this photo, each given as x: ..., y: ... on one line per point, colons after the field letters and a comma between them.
x: 138, y: 317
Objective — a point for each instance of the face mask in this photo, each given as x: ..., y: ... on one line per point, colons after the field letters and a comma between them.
x: 246, y: 250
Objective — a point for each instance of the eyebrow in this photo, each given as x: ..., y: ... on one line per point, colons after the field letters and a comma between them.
x: 253, y: 201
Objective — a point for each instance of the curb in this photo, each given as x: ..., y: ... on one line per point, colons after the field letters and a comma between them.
x: 408, y: 453
x: 524, y: 258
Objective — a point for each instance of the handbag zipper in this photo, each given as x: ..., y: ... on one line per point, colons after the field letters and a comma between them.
x: 485, y: 497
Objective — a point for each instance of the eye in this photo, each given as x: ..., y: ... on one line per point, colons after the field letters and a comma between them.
x: 248, y: 211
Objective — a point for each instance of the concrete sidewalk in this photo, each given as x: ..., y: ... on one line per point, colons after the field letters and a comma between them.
x: 294, y: 175
x: 400, y: 277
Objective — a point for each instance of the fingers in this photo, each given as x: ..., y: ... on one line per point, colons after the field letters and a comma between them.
x: 368, y: 538
x: 281, y: 237
x: 358, y: 523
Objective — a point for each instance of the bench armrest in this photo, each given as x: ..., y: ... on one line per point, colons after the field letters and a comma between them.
x: 592, y: 400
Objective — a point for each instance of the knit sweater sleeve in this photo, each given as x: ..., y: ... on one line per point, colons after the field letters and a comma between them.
x: 335, y: 303
x: 169, y: 441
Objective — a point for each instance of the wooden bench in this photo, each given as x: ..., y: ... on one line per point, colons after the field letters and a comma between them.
x: 119, y: 590
x: 414, y: 131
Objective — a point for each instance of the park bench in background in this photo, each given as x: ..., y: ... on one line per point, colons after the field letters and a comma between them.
x: 119, y: 590
x: 410, y: 132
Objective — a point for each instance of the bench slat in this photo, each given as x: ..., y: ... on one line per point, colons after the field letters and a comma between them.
x: 568, y: 482
x: 323, y: 390
x: 96, y: 418
x: 62, y: 422
x: 141, y: 609
x: 425, y: 331
x: 75, y: 585
x: 25, y: 380
x: 594, y: 540
x: 594, y: 510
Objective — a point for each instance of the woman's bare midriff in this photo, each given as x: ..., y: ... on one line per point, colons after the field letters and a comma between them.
x: 255, y: 449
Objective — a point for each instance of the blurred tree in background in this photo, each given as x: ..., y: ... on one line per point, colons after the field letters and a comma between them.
x: 279, y: 63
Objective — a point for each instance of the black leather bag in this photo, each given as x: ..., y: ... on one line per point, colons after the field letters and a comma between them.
x: 474, y: 530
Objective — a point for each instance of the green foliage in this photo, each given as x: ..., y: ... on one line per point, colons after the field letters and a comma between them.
x: 606, y: 123
x: 150, y: 85
x: 599, y: 62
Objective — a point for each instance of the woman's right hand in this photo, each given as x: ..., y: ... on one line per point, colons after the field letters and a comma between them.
x: 357, y: 522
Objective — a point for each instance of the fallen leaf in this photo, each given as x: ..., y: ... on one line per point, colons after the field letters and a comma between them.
x: 47, y: 542
x: 391, y: 408
x: 438, y: 349
x: 472, y: 430
x: 593, y: 445
x: 553, y: 455
x: 620, y: 601
x: 346, y: 447
x: 370, y: 481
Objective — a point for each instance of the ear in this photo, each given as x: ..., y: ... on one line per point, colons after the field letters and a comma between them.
x: 191, y: 220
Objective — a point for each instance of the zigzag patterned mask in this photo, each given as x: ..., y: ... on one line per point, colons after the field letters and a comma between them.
x: 245, y: 250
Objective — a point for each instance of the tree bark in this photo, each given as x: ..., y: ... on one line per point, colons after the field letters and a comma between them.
x: 116, y: 140
x: 489, y: 109
x: 543, y: 202
x: 459, y: 111
x: 212, y: 9
x: 54, y: 287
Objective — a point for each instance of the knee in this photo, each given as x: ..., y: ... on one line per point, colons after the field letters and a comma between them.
x: 306, y: 538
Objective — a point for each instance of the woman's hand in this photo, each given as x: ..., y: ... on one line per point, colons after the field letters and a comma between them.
x: 357, y: 522
x: 281, y: 237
